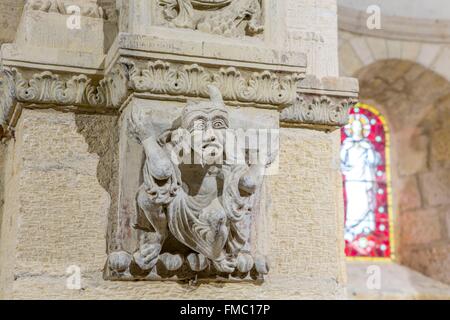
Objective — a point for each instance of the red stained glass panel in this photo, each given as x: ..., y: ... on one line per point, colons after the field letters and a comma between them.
x: 365, y: 144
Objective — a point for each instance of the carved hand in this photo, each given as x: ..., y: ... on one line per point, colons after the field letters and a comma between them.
x: 251, y: 179
x: 225, y: 265
x: 147, y: 256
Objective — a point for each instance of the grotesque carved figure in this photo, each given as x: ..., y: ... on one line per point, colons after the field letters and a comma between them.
x: 193, y: 199
x: 224, y: 17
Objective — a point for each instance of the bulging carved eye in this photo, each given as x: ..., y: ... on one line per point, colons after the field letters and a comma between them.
x: 199, y: 125
x: 219, y: 124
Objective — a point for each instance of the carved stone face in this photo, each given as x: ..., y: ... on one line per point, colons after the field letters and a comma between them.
x: 206, y: 124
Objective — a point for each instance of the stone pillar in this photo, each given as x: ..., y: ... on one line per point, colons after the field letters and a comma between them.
x: 89, y: 153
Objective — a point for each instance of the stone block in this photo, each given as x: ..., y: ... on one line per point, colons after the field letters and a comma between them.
x: 378, y: 47
x: 51, y: 30
x: 428, y: 54
x: 440, y: 150
x: 435, y: 186
x: 441, y: 65
x: 413, y: 148
x: 447, y: 218
x: 361, y: 48
x: 409, y: 194
x: 420, y: 227
x: 349, y: 61
x: 394, y: 49
x: 432, y: 261
x: 410, y: 50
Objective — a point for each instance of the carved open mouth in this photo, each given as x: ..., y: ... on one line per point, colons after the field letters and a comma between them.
x: 212, y: 146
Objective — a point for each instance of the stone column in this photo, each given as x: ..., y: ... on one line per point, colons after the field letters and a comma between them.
x: 89, y: 140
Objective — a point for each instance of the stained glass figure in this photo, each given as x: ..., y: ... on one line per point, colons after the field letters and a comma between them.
x: 364, y: 164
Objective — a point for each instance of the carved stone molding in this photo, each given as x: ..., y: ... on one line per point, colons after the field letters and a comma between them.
x: 265, y: 87
x: 87, y: 8
x: 61, y: 90
x: 231, y: 18
x: 320, y: 110
x: 47, y: 87
x: 294, y: 95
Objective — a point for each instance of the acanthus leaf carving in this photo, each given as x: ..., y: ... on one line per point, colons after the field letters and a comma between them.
x: 278, y: 90
x: 266, y: 87
x: 113, y: 89
x: 322, y: 110
x: 46, y: 87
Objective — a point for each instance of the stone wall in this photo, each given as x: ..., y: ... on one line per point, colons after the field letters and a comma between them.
x: 60, y: 216
x: 416, y: 103
x: 62, y: 177
x: 404, y: 71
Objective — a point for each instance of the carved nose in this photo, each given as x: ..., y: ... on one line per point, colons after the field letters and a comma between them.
x: 210, y: 136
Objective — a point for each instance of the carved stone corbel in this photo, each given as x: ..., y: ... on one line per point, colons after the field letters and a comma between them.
x: 197, y: 209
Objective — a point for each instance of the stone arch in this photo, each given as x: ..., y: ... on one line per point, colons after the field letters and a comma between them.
x: 416, y: 103
x: 357, y: 51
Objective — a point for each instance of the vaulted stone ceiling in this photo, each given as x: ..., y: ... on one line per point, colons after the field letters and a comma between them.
x: 11, y: 11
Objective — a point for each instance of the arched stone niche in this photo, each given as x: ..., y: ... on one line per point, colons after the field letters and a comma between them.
x: 416, y: 103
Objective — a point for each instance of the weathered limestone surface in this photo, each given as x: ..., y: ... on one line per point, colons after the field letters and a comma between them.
x: 396, y: 283
x: 59, y: 207
x: 311, y: 29
x: 48, y: 239
x: 62, y: 101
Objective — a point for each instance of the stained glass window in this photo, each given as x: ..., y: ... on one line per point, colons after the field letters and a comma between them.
x: 366, y: 178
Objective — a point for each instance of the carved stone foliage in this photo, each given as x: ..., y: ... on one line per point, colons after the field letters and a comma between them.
x: 60, y: 90
x: 175, y: 81
x: 194, y: 220
x: 322, y: 110
x: 192, y: 80
x: 232, y: 18
x: 7, y: 98
x: 88, y: 8
x: 46, y: 87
